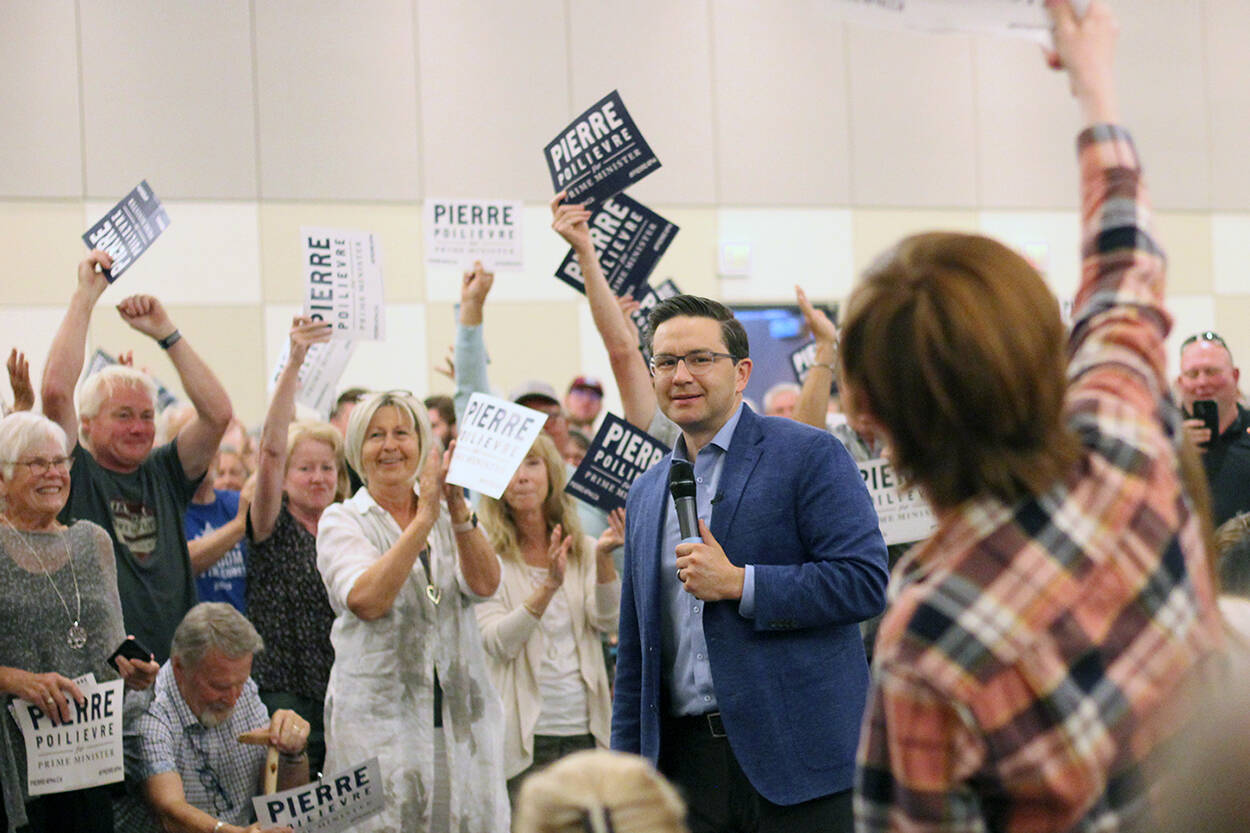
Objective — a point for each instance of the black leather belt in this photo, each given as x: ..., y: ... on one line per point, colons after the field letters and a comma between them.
x: 709, y: 724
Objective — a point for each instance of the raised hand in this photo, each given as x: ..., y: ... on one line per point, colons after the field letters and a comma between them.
x: 90, y: 279
x: 305, y: 333
x: 818, y: 323
x: 571, y: 221
x: 558, y: 551
x: 146, y: 314
x: 19, y: 381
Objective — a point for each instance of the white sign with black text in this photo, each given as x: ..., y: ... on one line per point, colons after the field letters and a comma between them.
x: 495, y: 435
x: 460, y: 232
x: 84, y: 751
x: 904, y: 516
x: 335, y: 803
x: 343, y: 282
x: 319, y: 374
x: 1014, y: 18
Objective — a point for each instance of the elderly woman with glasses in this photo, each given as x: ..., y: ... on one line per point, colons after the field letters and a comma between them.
x: 62, y: 617
x: 404, y: 561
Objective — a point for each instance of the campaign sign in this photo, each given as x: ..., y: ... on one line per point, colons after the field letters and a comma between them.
x: 335, y: 803
x: 904, y: 516
x: 319, y: 375
x: 620, y: 452
x: 85, y: 751
x: 343, y: 282
x: 460, y: 232
x: 600, y: 154
x: 100, y: 360
x: 652, y: 296
x: 629, y: 240
x: 801, y: 360
x: 1014, y: 18
x: 128, y: 228
x: 495, y: 435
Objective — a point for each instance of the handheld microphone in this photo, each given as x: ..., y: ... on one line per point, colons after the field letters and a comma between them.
x: 681, y: 484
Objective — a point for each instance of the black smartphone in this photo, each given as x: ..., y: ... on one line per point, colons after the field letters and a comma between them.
x: 130, y: 648
x: 1208, y: 410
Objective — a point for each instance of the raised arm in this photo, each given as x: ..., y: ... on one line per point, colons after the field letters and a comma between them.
x: 271, y: 465
x: 65, y: 357
x: 814, y: 397
x: 199, y: 438
x: 633, y: 380
x: 469, y: 363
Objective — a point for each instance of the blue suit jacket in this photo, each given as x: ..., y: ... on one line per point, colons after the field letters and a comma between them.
x: 791, y: 682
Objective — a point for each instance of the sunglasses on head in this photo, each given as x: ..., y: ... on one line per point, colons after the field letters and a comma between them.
x: 1206, y: 335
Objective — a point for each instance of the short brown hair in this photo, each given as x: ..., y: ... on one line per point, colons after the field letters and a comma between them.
x: 954, y: 344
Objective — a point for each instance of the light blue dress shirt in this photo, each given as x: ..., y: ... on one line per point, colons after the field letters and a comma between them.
x: 687, y: 672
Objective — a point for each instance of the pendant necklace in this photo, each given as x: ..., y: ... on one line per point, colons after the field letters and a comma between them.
x: 76, y: 636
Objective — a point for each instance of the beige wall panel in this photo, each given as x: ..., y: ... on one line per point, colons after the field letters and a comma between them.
x: 781, y: 103
x: 210, y: 255
x: 532, y: 341
x: 1051, y: 240
x: 440, y: 334
x: 168, y: 98
x: 659, y: 56
x: 1190, y: 314
x: 1161, y: 71
x: 1231, y: 315
x: 691, y: 258
x: 912, y: 115
x: 1230, y: 254
x: 30, y: 330
x: 337, y: 108
x: 42, y: 244
x: 40, y: 134
x: 807, y: 246
x: 543, y: 251
x: 229, y: 338
x: 494, y: 91
x: 874, y: 229
x: 1027, y: 122
x: 398, y: 227
x: 1228, y: 69
x: 1187, y: 240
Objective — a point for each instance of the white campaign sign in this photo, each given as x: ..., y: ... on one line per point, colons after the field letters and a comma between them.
x: 85, y: 751
x: 1015, y: 18
x: 904, y: 517
x: 319, y: 374
x: 333, y: 804
x: 459, y: 232
x: 495, y: 435
x: 343, y: 282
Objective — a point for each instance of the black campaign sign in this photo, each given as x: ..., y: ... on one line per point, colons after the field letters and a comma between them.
x: 600, y: 154
x: 620, y: 452
x: 128, y: 229
x: 801, y: 360
x: 629, y: 240
x: 651, y: 295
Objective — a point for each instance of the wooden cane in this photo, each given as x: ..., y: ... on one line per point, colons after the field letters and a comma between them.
x: 260, y: 737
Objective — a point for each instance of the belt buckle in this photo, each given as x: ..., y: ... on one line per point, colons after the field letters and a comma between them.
x: 715, y: 725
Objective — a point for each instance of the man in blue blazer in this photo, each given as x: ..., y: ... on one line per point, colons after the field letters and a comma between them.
x: 741, y: 672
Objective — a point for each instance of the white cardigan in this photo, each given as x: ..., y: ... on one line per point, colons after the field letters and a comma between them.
x: 516, y: 645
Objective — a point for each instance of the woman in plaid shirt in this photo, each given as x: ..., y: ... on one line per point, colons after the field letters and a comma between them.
x: 1040, y: 647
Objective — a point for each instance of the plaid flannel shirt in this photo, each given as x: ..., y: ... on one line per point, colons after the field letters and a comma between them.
x: 1032, y: 660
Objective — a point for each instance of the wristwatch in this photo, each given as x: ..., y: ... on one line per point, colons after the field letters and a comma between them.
x: 466, y: 526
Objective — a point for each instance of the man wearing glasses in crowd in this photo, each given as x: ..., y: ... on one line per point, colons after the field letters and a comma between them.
x: 748, y: 634
x: 1208, y: 374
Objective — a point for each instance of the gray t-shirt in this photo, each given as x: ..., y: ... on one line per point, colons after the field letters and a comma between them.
x: 142, y: 511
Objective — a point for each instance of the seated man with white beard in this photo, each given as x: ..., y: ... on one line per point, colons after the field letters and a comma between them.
x: 183, y: 753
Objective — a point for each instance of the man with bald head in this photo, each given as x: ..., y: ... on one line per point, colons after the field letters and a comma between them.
x: 1208, y: 372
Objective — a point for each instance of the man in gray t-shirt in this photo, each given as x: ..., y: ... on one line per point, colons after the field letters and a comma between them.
x: 138, y: 495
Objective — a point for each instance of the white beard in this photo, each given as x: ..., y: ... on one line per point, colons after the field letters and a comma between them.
x: 212, y: 718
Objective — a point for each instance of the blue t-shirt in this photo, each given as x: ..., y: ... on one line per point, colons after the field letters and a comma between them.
x: 225, y: 581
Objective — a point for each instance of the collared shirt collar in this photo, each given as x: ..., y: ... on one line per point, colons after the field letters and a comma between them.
x: 722, y: 439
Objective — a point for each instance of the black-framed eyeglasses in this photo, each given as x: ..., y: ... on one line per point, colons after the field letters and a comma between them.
x: 210, y: 782
x: 698, y: 362
x: 1205, y: 335
x: 39, y: 466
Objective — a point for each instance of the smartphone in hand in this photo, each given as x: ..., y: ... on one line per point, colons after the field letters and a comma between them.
x: 1208, y: 410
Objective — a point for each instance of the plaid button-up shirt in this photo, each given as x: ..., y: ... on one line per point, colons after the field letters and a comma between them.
x: 1033, y: 657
